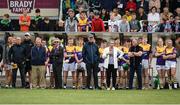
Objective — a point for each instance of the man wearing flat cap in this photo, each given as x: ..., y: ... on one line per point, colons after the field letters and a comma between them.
x: 91, y: 57
x: 56, y: 57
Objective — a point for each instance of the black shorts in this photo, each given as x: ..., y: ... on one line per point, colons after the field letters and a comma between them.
x: 28, y: 66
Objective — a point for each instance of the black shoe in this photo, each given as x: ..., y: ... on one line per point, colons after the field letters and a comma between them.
x: 83, y: 87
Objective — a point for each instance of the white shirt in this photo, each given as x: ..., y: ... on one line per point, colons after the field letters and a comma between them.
x: 153, y: 17
x: 116, y: 54
x: 113, y: 25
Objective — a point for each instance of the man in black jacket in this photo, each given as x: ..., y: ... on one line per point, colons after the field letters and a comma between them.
x: 17, y: 58
x: 56, y: 57
x: 28, y: 44
x: 135, y: 53
x: 91, y: 57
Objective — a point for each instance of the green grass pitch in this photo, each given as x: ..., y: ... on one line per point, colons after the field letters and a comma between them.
x: 52, y: 96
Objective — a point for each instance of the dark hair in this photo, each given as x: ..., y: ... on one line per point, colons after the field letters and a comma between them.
x: 83, y: 12
x: 153, y: 8
x: 6, y: 15
x: 37, y: 10
x: 38, y: 37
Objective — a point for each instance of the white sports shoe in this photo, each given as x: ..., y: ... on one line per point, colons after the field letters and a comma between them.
x: 113, y: 88
x: 7, y: 86
x: 108, y: 88
x: 73, y: 87
x: 30, y: 86
x: 170, y: 87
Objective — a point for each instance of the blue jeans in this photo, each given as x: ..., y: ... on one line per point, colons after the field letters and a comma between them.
x: 137, y: 69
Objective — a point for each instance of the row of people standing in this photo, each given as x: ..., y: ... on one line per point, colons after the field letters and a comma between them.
x: 31, y: 58
x: 136, y: 56
x: 132, y: 57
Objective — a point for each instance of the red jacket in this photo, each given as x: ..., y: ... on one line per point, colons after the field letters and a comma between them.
x: 97, y: 25
x: 131, y: 5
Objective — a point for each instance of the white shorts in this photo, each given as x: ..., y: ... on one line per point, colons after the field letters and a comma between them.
x: 101, y: 65
x: 145, y: 64
x: 170, y: 64
x: 8, y: 67
x: 160, y: 67
x: 82, y: 64
x: 69, y: 67
x: 120, y: 68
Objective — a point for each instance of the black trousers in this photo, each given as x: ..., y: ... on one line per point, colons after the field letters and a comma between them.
x: 22, y: 74
x: 57, y: 71
x: 28, y: 66
x: 111, y: 72
x: 137, y: 69
x: 92, y: 68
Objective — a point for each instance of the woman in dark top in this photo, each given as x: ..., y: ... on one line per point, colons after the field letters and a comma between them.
x: 104, y: 15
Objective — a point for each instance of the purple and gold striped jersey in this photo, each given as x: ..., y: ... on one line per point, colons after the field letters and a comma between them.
x: 160, y: 60
x: 170, y: 51
x: 146, y: 50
